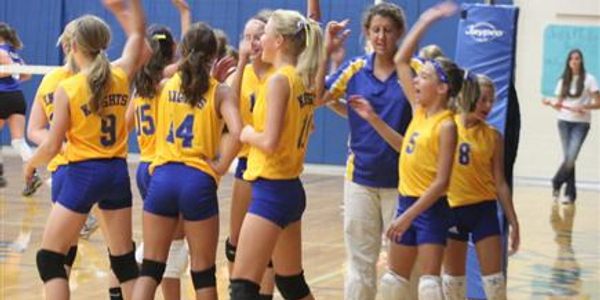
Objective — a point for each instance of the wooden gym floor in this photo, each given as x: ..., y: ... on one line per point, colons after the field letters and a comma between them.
x: 559, y: 256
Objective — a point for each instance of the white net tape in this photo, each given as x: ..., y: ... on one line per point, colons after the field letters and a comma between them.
x: 26, y: 69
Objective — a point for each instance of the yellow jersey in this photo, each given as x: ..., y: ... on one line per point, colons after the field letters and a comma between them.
x: 420, y: 148
x: 91, y: 135
x: 250, y: 86
x: 287, y: 161
x: 186, y: 134
x: 45, y: 97
x: 472, y: 172
x: 146, y: 113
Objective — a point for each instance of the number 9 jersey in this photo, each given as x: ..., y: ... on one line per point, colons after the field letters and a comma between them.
x: 288, y: 158
x: 91, y: 135
x: 186, y: 134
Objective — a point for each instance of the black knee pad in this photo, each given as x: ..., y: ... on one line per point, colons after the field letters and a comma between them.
x: 124, y: 266
x: 70, y: 258
x: 115, y: 293
x: 153, y: 269
x: 242, y: 289
x: 292, y: 287
x: 50, y: 265
x: 265, y: 297
x: 204, y: 279
x: 230, y: 251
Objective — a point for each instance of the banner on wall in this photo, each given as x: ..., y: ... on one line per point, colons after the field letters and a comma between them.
x: 558, y: 41
x: 486, y: 43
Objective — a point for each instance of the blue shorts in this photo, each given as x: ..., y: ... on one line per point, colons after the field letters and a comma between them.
x: 480, y: 220
x: 102, y: 181
x: 142, y: 178
x: 58, y: 181
x: 179, y: 189
x: 241, y: 167
x: 430, y: 227
x: 279, y: 201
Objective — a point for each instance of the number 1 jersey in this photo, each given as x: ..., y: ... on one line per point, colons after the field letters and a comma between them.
x: 287, y: 161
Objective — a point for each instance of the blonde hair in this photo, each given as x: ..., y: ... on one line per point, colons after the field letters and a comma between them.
x: 485, y: 81
x: 92, y: 36
x: 64, y: 41
x: 431, y: 51
x: 306, y: 41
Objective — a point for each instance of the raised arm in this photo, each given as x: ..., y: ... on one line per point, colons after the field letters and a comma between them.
x: 314, y: 10
x: 504, y: 195
x: 278, y: 93
x: 411, y: 42
x: 335, y: 36
x: 438, y: 187
x: 185, y: 15
x: 135, y: 49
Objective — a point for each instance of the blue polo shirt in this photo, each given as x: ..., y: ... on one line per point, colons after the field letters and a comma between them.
x: 371, y: 161
x: 9, y: 83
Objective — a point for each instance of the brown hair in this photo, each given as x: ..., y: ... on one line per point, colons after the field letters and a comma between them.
x: 163, y: 51
x: 10, y: 35
x: 92, y: 36
x: 387, y: 10
x: 567, y: 77
x: 198, y: 48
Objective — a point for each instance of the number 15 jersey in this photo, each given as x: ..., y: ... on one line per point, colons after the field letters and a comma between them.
x: 287, y: 161
x: 184, y: 133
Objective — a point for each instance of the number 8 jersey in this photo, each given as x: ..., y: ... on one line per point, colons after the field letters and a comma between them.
x: 288, y: 159
x: 186, y: 134
x: 472, y: 172
x: 91, y: 135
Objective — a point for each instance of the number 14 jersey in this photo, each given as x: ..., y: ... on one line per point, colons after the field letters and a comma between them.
x: 184, y: 133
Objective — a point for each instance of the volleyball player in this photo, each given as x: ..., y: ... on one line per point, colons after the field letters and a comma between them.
x: 187, y: 165
x: 281, y: 123
x: 12, y: 103
x: 89, y: 111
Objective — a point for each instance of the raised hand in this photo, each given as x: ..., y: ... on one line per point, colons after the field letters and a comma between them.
x: 441, y: 10
x: 223, y: 68
x: 362, y: 107
x: 115, y: 5
x: 335, y: 35
x: 181, y: 5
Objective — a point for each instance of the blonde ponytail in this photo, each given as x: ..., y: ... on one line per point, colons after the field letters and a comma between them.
x: 308, y: 61
x: 469, y: 93
x: 99, y: 80
x: 305, y: 42
x: 92, y: 36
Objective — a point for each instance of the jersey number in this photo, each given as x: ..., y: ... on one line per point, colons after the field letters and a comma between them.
x: 145, y: 123
x: 304, y: 131
x: 410, y: 147
x: 109, y: 130
x: 464, y: 153
x: 185, y: 131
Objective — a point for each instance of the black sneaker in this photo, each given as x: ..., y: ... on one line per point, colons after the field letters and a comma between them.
x: 555, y: 194
x: 32, y: 185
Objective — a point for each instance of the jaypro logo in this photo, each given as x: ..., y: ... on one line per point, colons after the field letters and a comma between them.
x: 483, y: 32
